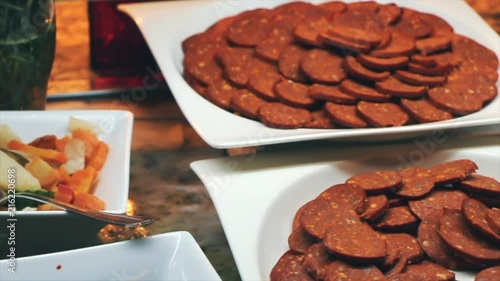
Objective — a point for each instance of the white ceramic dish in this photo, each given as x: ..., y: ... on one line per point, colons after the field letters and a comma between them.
x: 166, y: 24
x: 257, y: 196
x: 171, y: 256
x: 113, y: 185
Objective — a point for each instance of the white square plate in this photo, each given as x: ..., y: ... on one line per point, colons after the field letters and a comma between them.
x: 166, y: 24
x: 171, y: 256
x: 257, y: 196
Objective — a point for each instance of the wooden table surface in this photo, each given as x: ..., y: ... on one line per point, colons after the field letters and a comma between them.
x: 161, y: 182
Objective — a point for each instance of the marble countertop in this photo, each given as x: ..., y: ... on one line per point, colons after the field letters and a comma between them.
x: 164, y: 144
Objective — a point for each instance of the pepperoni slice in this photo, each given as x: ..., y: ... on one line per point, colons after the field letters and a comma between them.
x: 349, y: 272
x: 475, y: 84
x: 249, y: 28
x: 271, y: 47
x: 289, y: 267
x: 439, y: 26
x: 330, y: 93
x: 321, y: 214
x: 433, y: 204
x: 412, y: 25
x: 299, y: 241
x: 430, y: 71
x: 345, y: 115
x: 396, y: 219
x: 263, y: 84
x: 383, y: 63
x: 393, y: 87
x: 307, y: 32
x: 464, y: 241
x: 350, y: 243
x: 316, y: 261
x: 323, y: 66
x: 417, y: 182
x: 406, y: 246
x: 493, y: 219
x: 363, y: 92
x: 355, y: 35
x: 354, y: 68
x: 377, y: 182
x: 347, y: 47
x: 234, y: 62
x: 455, y: 99
x: 320, y: 121
x: 294, y: 94
x: 430, y: 271
x: 400, y: 45
x: 376, y: 207
x: 221, y: 92
x: 427, y: 61
x: 488, y: 274
x: 418, y: 79
x: 389, y: 13
x: 435, y: 247
x: 334, y: 6
x: 382, y: 114
x: 433, y: 44
x: 371, y: 6
x: 246, y: 103
x: 278, y: 115
x: 351, y: 194
x: 289, y: 63
x: 453, y: 171
x: 482, y: 185
x: 475, y: 214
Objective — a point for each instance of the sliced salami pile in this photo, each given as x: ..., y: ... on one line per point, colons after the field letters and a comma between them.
x: 338, y: 65
x: 411, y: 224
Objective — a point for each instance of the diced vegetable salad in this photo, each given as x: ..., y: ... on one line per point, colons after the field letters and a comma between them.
x: 65, y: 168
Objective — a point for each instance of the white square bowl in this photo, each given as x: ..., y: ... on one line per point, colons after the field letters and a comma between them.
x: 166, y: 24
x: 164, y: 257
x: 47, y: 231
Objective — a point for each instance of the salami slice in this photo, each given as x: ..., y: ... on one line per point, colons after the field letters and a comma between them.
x: 246, y: 103
x: 430, y: 71
x: 393, y: 87
x: 355, y: 35
x: 334, y: 6
x: 439, y: 26
x: 350, y: 272
x: 435, y: 247
x: 406, y: 245
x: 203, y: 68
x: 396, y: 219
x: 277, y: 115
x: 289, y: 63
x: 430, y: 271
x: 433, y: 204
x: 298, y: 215
x: 475, y: 214
x: 383, y: 114
x: 469, y: 51
x: 234, y: 62
x: 389, y: 13
x: 417, y: 182
x: 427, y: 61
x: 350, y: 243
x: 400, y: 45
x: 455, y: 99
x: 263, y: 84
x: 249, y: 28
x: 221, y: 92
x: 488, y: 274
x: 354, y: 68
x: 289, y: 267
x: 322, y: 214
x: 376, y: 207
x: 347, y: 47
x: 464, y: 242
x: 319, y: 121
x: 316, y: 261
x: 299, y: 241
x: 307, y: 32
x: 348, y: 193
x: 271, y: 47
x: 412, y: 25
x: 383, y: 63
x: 323, y: 66
x: 474, y: 84
x: 418, y: 79
x: 377, y: 182
x: 345, y: 115
x: 330, y: 93
x: 294, y: 94
x: 493, y: 219
x: 433, y: 44
x: 363, y: 92
x: 453, y: 171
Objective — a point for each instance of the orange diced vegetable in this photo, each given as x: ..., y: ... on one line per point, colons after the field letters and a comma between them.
x: 89, y: 139
x: 88, y: 201
x: 46, y: 154
x: 100, y: 156
x: 46, y: 175
x: 64, y: 194
x: 61, y: 143
x: 82, y: 180
x: 46, y: 207
x: 63, y: 174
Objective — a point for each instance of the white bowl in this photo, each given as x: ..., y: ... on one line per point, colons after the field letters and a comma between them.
x: 170, y: 256
x: 47, y: 231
